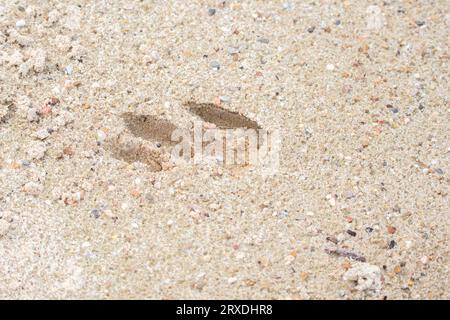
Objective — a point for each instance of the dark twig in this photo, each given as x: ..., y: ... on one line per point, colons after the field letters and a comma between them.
x: 346, y: 253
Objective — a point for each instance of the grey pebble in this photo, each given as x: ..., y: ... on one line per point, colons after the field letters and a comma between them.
x: 95, y: 213
x: 215, y: 65
x: 311, y: 29
x: 25, y: 163
x: 211, y: 11
x: 369, y: 229
x: 283, y: 213
x: 225, y: 98
x: 439, y: 171
x: 233, y: 50
x: 263, y: 40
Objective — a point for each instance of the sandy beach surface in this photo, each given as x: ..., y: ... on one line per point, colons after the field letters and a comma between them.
x: 91, y: 206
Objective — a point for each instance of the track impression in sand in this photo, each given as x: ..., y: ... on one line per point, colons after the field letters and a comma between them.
x: 6, y: 112
x: 148, y: 139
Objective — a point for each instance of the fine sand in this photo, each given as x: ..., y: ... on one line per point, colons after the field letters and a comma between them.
x: 92, y: 205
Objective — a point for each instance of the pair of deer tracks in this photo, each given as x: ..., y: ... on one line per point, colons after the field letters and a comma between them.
x: 155, y: 143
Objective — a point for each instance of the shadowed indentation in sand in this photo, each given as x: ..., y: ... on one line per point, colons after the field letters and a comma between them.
x: 10, y: 111
x: 127, y: 146
x: 150, y: 128
x: 222, y: 118
x: 131, y: 152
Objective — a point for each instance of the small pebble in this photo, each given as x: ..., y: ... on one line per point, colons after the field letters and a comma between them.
x: 215, y: 65
x: 232, y: 280
x: 225, y: 98
x: 101, y: 136
x: 333, y: 239
x: 420, y: 23
x: 365, y: 276
x: 289, y: 259
x: 68, y: 151
x: 352, y: 233
x: 32, y: 115
x: 263, y: 40
x: 311, y: 29
x: 45, y: 110
x: 68, y: 70
x: 211, y: 11
x: 25, y: 163
x: 439, y: 171
x: 391, y: 229
x: 392, y: 244
x: 283, y: 213
x: 365, y: 142
x: 20, y: 23
x: 340, y: 237
x: 95, y: 213
x: 408, y: 244
x: 53, y: 16
x: 62, y: 120
x: 233, y: 50
x: 42, y: 134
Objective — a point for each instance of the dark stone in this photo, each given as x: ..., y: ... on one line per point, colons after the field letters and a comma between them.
x: 392, y: 244
x: 95, y: 213
x: 352, y: 233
